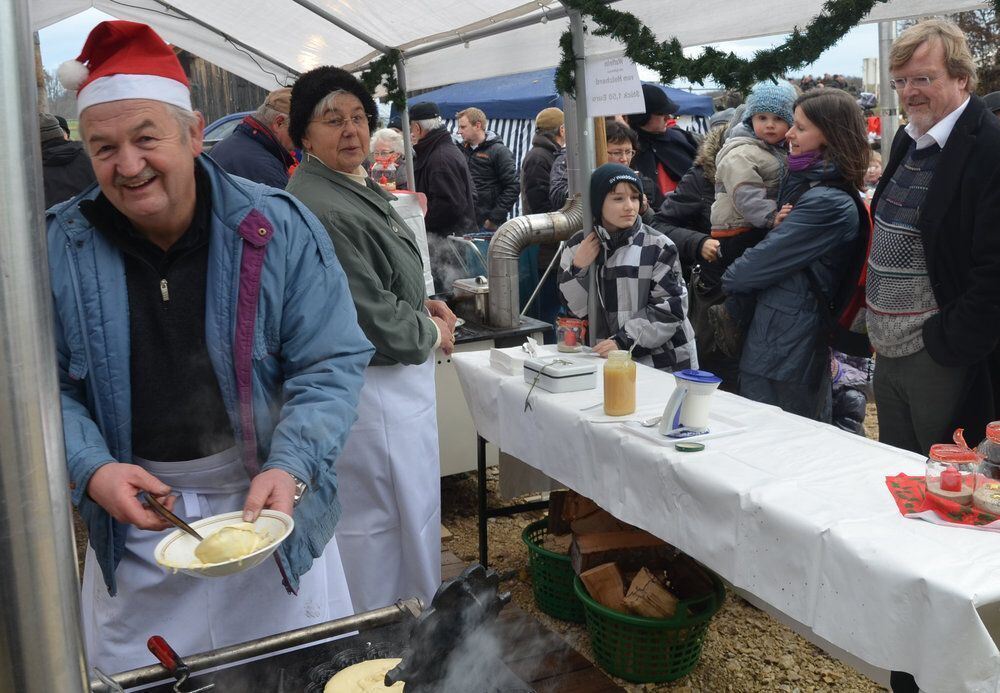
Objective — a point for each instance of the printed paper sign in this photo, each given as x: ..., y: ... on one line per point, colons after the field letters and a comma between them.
x: 613, y: 87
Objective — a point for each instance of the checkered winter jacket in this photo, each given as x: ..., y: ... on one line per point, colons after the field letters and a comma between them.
x: 642, y: 294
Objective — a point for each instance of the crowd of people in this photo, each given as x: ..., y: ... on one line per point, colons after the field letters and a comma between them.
x: 251, y: 329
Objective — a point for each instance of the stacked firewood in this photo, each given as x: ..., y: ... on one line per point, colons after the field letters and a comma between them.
x: 609, y: 554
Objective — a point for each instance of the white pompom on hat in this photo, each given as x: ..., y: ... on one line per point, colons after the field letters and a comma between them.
x: 125, y: 60
x: 72, y: 74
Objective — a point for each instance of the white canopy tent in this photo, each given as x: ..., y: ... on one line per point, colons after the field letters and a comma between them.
x: 276, y: 39
x: 268, y: 43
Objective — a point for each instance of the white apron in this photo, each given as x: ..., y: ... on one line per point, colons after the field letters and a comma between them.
x: 389, y: 483
x: 199, y: 614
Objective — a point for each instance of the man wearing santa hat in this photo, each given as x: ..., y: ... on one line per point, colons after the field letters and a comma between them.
x: 209, y: 356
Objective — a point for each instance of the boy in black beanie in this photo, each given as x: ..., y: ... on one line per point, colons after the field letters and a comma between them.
x: 640, y: 290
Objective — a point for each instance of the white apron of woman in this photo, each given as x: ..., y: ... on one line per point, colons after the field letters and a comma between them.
x: 390, y: 489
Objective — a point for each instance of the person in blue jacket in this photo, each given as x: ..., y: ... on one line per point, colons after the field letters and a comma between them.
x: 209, y: 355
x: 785, y: 359
x: 260, y: 149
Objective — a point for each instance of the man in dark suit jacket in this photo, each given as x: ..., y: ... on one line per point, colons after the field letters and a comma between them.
x: 933, y: 284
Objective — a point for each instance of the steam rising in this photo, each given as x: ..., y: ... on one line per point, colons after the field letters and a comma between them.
x: 450, y: 261
x: 473, y: 665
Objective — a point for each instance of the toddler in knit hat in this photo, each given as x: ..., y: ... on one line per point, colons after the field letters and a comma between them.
x: 749, y: 170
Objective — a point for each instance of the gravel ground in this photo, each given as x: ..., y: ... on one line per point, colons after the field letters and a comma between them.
x: 745, y: 651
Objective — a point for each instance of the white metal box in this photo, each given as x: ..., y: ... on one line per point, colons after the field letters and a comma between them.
x: 561, y: 374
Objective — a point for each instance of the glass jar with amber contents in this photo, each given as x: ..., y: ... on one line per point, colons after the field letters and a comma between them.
x: 619, y: 384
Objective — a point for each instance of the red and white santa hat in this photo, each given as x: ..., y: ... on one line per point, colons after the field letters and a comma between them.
x: 125, y: 60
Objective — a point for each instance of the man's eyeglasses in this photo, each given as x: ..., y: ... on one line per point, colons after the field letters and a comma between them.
x: 922, y: 82
x: 621, y: 153
x: 338, y: 123
x: 384, y: 153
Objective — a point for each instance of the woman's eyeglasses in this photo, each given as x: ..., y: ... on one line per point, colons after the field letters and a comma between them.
x: 621, y: 153
x: 338, y: 123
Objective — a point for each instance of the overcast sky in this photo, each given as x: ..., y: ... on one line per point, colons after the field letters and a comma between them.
x: 63, y: 40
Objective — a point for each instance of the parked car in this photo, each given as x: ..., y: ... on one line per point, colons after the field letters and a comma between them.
x: 222, y: 128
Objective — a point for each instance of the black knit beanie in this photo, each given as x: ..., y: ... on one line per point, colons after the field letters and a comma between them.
x: 657, y: 102
x: 604, y: 179
x: 312, y: 87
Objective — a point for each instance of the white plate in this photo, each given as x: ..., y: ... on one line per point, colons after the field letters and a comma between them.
x: 719, y: 426
x: 176, y: 551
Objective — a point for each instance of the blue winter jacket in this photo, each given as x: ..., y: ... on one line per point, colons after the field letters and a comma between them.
x: 781, y: 342
x: 253, y: 152
x: 282, y: 336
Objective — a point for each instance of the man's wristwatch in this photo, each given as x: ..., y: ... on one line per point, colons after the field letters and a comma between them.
x: 300, y: 489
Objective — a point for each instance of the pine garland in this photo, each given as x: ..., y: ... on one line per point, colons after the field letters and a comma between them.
x: 383, y: 71
x: 729, y: 70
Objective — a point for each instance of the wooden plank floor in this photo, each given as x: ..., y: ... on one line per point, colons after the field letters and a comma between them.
x: 536, y: 654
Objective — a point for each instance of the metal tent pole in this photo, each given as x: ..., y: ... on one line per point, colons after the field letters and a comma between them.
x: 888, y: 102
x: 41, y: 643
x: 342, y: 24
x: 499, y: 28
x: 579, y: 133
x: 404, y: 121
x: 400, y: 76
x: 231, y: 39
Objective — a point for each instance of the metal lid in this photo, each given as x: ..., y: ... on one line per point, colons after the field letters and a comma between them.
x: 689, y: 447
x: 993, y: 432
x: 560, y: 367
x: 474, y: 285
x: 947, y: 452
x: 697, y: 376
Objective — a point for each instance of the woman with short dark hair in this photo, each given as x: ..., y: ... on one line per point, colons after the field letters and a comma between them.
x: 389, y: 533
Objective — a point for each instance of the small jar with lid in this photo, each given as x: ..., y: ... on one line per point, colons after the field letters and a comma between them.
x: 619, y: 384
x: 987, y: 493
x: 951, y: 472
x: 571, y: 333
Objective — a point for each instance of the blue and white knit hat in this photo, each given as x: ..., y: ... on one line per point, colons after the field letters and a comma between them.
x: 770, y: 97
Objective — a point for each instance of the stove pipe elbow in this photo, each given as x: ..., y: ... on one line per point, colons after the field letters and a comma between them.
x: 513, y: 236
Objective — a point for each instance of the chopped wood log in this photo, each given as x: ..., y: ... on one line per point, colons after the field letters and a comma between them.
x: 577, y: 506
x: 598, y: 521
x: 557, y: 544
x: 629, y: 549
x: 605, y: 586
x: 647, y: 597
x: 557, y: 503
x: 687, y: 579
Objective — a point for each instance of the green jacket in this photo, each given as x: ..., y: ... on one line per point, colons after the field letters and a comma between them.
x: 380, y: 257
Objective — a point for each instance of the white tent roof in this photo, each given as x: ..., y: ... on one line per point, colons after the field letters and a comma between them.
x: 286, y: 37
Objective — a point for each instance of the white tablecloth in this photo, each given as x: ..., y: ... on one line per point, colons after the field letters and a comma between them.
x: 791, y: 510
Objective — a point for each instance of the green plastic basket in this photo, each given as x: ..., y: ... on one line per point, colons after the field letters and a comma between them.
x: 551, y: 576
x: 650, y: 650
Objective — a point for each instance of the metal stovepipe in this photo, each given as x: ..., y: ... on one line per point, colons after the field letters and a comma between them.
x: 41, y: 644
